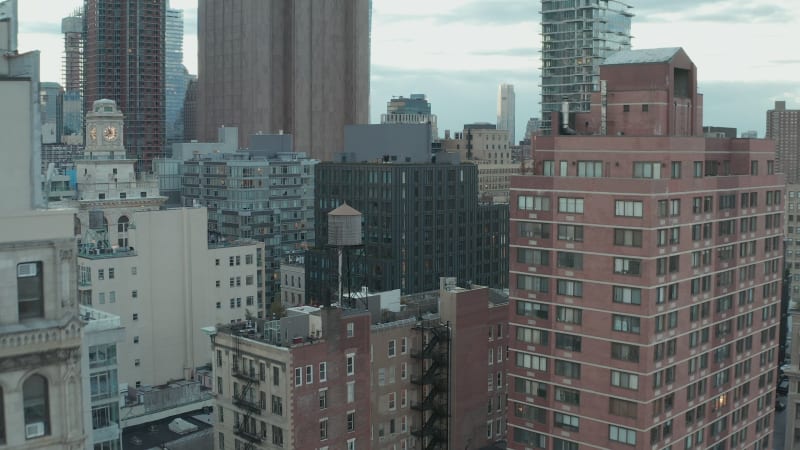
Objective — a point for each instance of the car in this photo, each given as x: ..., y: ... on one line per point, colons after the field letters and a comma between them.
x: 783, y: 387
x: 779, y: 405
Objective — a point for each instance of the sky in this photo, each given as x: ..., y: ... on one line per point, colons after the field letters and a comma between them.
x: 459, y: 51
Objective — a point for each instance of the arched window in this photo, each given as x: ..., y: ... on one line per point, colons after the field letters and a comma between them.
x: 35, y: 407
x: 122, y: 224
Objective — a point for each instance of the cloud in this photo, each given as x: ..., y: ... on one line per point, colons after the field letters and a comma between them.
x: 526, y: 52
x: 492, y: 13
x: 785, y: 61
x: 40, y: 27
x: 720, y: 11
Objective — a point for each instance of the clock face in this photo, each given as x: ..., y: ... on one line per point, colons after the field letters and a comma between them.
x: 93, y: 134
x: 110, y: 133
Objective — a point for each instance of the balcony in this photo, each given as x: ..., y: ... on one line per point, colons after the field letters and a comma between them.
x: 243, y: 432
x: 249, y: 405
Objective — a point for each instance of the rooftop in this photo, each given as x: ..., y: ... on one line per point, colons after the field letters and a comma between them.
x: 643, y: 56
x: 158, y: 434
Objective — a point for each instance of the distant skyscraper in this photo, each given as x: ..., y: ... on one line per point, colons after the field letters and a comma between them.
x: 575, y: 41
x: 51, y: 106
x: 189, y: 110
x: 307, y: 74
x: 124, y: 62
x: 72, y: 27
x: 783, y: 127
x: 532, y: 128
x: 414, y: 109
x: 506, y: 111
x: 176, y: 76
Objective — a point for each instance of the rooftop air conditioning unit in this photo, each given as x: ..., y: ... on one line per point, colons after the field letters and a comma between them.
x: 26, y: 270
x: 33, y: 430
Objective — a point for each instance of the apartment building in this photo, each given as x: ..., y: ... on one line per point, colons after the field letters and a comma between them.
x: 646, y: 271
x: 40, y: 332
x: 396, y: 372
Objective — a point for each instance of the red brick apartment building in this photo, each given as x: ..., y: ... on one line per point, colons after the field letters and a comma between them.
x: 422, y: 371
x: 646, y: 265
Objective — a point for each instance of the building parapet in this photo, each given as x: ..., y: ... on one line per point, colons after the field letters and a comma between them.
x: 96, y: 320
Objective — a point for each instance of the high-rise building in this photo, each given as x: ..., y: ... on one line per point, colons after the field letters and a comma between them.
x: 265, y: 194
x: 422, y: 220
x: 72, y: 27
x: 646, y: 272
x: 576, y: 39
x: 176, y: 78
x: 414, y: 109
x: 40, y: 331
x: 506, y: 111
x: 51, y: 98
x: 189, y: 110
x: 783, y: 127
x: 308, y: 76
x: 124, y: 61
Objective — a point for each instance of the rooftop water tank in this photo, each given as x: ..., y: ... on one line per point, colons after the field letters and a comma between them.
x: 344, y: 227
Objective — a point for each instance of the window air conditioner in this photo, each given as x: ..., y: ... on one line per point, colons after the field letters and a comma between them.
x: 33, y: 430
x: 26, y: 270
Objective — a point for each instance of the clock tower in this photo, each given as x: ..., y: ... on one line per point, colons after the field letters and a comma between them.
x: 104, y: 131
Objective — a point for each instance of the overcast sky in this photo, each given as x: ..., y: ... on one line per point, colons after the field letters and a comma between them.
x: 459, y: 51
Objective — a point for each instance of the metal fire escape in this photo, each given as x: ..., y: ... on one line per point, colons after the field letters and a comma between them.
x: 434, y: 364
x: 245, y: 398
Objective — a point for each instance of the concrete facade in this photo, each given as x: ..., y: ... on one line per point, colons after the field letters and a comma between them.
x: 40, y: 333
x: 166, y: 285
x: 309, y: 76
x: 293, y: 282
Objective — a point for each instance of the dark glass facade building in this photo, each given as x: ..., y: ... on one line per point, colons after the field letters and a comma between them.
x: 420, y: 222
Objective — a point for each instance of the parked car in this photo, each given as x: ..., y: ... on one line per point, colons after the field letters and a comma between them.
x: 783, y: 387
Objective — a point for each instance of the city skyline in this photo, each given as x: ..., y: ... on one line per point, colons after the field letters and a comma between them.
x: 478, y: 46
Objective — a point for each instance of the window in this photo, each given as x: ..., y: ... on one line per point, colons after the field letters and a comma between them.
x: 323, y: 372
x: 570, y: 396
x: 351, y: 444
x: 647, y: 170
x: 533, y: 203
x: 309, y: 374
x: 351, y: 364
x: 277, y: 436
x: 628, y: 208
x: 532, y: 335
x: 530, y: 438
x: 566, y: 421
x: 624, y: 352
x: 590, y: 169
x: 568, y: 369
x: 627, y: 266
x: 135, y: 316
x: 351, y: 421
x: 624, y: 408
x: 624, y: 380
x: 392, y: 401
x: 560, y: 444
x: 570, y: 205
x: 30, y: 290
x: 323, y: 398
x: 627, y: 238
x: 624, y: 435
x: 533, y: 257
x: 530, y: 387
x: 626, y: 324
x: 568, y: 342
x: 323, y: 429
x: 569, y: 288
x: 675, y: 167
x: 570, y: 233
x: 351, y: 391
x: 632, y: 296
x: 298, y: 376
x: 534, y: 230
x: 528, y: 361
x: 351, y: 329
x: 277, y: 405
x: 531, y: 309
x: 36, y: 409
x: 626, y: 108
x: 570, y: 260
x: 392, y: 348
x: 533, y: 283
x: 568, y: 315
x: 404, y: 345
x: 134, y: 294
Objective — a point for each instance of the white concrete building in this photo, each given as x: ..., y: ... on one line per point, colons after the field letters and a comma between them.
x: 165, y: 286
x: 293, y: 282
x: 101, y: 401
x: 40, y: 333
